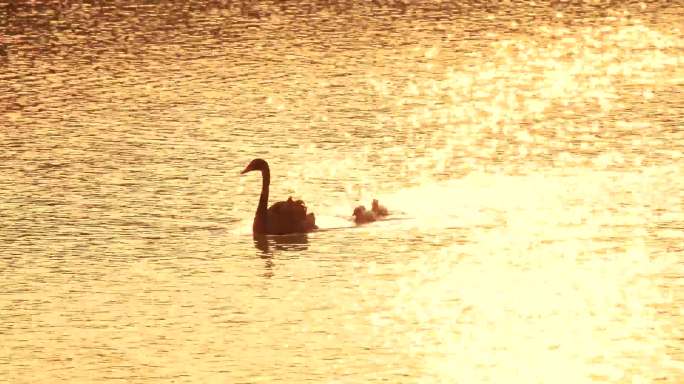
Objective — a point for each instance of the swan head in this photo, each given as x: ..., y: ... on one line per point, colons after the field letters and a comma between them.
x: 256, y: 165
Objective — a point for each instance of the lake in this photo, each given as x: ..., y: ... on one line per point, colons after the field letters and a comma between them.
x: 530, y: 155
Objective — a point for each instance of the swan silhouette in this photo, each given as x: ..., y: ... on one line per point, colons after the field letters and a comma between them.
x: 282, y: 217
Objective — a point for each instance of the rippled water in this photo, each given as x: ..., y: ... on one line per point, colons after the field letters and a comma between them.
x: 531, y: 155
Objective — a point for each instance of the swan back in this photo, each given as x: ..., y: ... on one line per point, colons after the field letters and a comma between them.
x: 290, y: 217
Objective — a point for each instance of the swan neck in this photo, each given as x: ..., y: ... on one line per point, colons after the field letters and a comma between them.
x: 261, y: 218
x: 263, y: 199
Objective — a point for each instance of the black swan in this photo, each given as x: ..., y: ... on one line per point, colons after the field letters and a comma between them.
x: 362, y: 215
x: 282, y: 217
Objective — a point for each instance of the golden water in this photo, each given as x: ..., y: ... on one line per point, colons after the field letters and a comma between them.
x: 532, y: 154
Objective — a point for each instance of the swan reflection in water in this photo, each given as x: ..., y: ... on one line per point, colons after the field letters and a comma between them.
x: 295, y: 242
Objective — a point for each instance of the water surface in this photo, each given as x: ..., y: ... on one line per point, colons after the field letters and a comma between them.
x: 531, y: 156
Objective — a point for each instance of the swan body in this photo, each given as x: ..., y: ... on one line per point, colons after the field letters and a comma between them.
x: 363, y: 215
x: 282, y: 217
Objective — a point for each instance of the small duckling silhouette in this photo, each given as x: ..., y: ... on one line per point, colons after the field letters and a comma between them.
x: 378, y: 209
x: 363, y: 215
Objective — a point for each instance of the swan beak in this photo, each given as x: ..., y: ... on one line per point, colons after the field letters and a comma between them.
x: 245, y: 170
